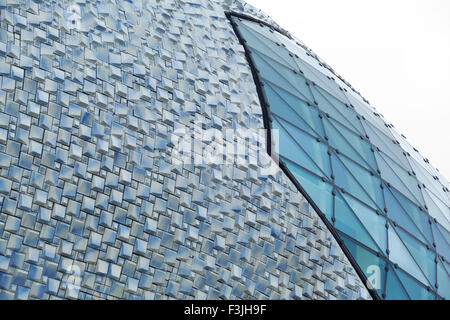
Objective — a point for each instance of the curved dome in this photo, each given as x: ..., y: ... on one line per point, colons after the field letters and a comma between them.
x: 388, y: 204
x: 96, y: 199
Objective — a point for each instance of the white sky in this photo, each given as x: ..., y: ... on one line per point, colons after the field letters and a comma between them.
x: 395, y: 52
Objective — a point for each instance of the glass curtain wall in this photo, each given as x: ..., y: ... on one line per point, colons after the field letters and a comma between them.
x: 388, y: 204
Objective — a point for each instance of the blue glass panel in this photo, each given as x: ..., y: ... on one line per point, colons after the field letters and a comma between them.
x: 394, y: 288
x: 279, y: 107
x: 297, y: 81
x: 349, y: 224
x: 444, y: 232
x: 360, y: 145
x: 312, y: 74
x: 424, y: 176
x: 442, y: 246
x: 262, y: 44
x: 396, y: 213
x: 267, y: 34
x: 423, y: 256
x: 408, y: 180
x: 308, y: 113
x: 443, y: 281
x: 290, y: 149
x: 336, y: 109
x: 372, y: 266
x: 347, y: 180
x: 388, y: 174
x: 404, y: 144
x: 262, y: 30
x: 347, y: 145
x: 316, y: 150
x: 414, y: 289
x: 277, y: 52
x: 367, y: 112
x: 437, y: 209
x: 269, y: 74
x: 293, y: 110
x: 319, y: 191
x: 399, y: 254
x: 420, y: 218
x: 386, y: 144
x: 374, y: 223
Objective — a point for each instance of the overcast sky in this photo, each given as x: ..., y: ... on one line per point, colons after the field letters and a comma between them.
x: 395, y: 52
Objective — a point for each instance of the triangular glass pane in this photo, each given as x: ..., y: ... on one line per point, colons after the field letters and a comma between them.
x: 268, y: 73
x: 414, y: 289
x: 437, y: 209
x: 346, y: 112
x: 308, y: 114
x: 344, y: 179
x: 372, y: 266
x: 444, y: 183
x: 394, y: 289
x: 260, y: 43
x: 443, y: 281
x: 319, y: 191
x: 371, y: 184
x: 406, y: 146
x: 389, y: 175
x: 261, y: 29
x: 320, y: 79
x: 296, y: 80
x: 444, y: 232
x: 271, y: 39
x: 396, y: 213
x: 420, y: 218
x: 280, y: 108
x: 431, y: 185
x: 317, y: 151
x: 386, y: 145
x: 399, y: 254
x: 440, y: 183
x: 423, y: 256
x: 290, y: 149
x: 442, y: 246
x: 358, y: 144
x: 348, y: 223
x: 338, y: 141
x: 374, y: 224
x: 294, y: 48
x: 408, y: 180
x: 326, y: 106
x: 367, y: 112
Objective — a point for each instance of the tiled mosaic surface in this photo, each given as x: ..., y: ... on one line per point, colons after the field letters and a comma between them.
x: 90, y: 191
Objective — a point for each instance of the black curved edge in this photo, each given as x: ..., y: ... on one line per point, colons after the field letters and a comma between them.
x: 267, y: 124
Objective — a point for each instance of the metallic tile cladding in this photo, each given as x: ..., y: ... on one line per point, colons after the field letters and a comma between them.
x: 94, y: 202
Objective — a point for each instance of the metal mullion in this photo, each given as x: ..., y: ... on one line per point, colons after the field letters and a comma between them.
x: 415, y: 280
x: 293, y: 109
x: 298, y: 144
x: 357, y: 181
x: 359, y: 221
x: 282, y: 76
x: 343, y: 138
x: 276, y: 85
x: 412, y: 256
x: 406, y: 213
x: 249, y: 29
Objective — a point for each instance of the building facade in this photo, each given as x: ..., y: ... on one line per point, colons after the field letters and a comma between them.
x: 195, y: 150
